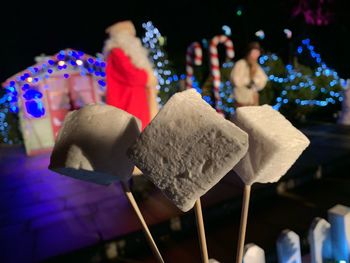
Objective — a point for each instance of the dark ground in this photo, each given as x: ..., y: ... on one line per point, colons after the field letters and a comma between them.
x: 48, y: 217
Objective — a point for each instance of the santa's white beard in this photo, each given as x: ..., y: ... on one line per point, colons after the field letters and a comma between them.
x: 132, y: 47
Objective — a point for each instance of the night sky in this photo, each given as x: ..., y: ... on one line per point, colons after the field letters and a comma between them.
x: 33, y: 28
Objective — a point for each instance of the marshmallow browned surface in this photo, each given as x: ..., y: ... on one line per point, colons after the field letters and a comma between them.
x: 274, y: 144
x: 92, y: 144
x: 187, y: 148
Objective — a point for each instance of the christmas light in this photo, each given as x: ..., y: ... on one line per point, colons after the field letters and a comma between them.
x: 260, y: 34
x: 288, y: 33
x: 305, y: 81
x: 227, y: 30
x: 65, y: 60
x: 167, y: 79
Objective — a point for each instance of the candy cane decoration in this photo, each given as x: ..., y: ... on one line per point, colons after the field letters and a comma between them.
x: 215, y: 65
x: 193, y: 54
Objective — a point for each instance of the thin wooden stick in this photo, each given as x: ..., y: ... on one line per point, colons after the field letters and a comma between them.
x: 243, y: 225
x: 201, y: 231
x: 149, y: 237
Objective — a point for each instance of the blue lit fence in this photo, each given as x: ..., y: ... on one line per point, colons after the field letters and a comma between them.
x: 328, y: 241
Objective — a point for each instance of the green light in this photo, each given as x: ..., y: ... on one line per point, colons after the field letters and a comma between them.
x: 239, y: 12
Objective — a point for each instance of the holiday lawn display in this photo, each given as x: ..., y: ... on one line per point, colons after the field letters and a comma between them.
x: 44, y: 93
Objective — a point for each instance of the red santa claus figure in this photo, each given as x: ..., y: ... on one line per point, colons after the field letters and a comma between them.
x: 131, y: 83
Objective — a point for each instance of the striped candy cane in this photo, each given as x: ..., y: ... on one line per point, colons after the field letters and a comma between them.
x: 193, y: 54
x: 215, y: 65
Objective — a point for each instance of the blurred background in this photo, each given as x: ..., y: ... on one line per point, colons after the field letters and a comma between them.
x: 46, y: 217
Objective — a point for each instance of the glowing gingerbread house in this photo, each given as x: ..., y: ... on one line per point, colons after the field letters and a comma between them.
x: 44, y: 93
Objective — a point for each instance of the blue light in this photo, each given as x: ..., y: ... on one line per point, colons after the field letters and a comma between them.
x: 11, y: 89
x: 35, y: 108
x: 32, y: 94
x: 277, y: 106
x: 50, y: 71
x: 227, y: 30
x: 306, y: 41
x: 90, y: 60
x: 66, y: 76
x: 285, y: 101
x: 102, y: 83
x: 14, y: 109
x: 300, y: 49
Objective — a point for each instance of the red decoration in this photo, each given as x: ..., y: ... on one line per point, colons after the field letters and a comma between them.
x: 126, y: 86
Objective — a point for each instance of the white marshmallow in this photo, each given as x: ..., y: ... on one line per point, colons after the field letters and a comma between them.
x: 92, y: 144
x: 274, y: 144
x: 188, y: 148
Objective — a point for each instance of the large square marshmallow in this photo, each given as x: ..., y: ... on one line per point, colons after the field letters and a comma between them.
x: 188, y: 148
x: 92, y: 144
x: 274, y: 144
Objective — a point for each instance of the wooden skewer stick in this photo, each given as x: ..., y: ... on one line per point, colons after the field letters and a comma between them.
x: 243, y: 225
x: 201, y: 231
x: 148, y: 234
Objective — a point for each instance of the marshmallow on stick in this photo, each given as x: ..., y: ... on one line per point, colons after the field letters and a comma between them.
x: 186, y: 149
x: 274, y: 145
x: 92, y: 145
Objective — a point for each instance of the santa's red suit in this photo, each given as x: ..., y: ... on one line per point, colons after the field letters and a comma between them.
x: 126, y: 86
